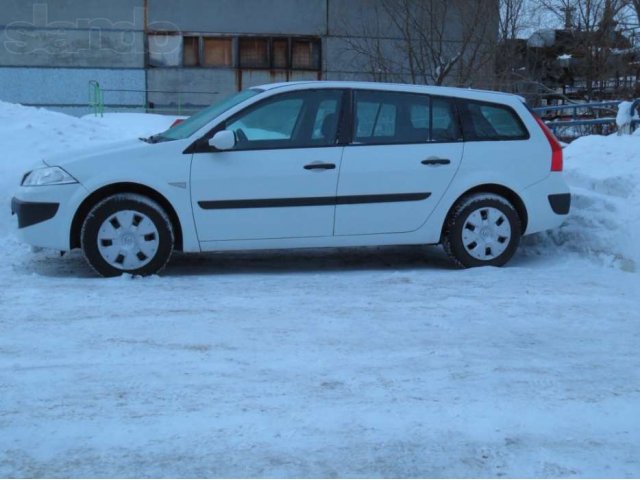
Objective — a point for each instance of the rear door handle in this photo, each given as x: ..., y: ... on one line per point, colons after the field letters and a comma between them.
x: 434, y: 162
x: 320, y: 166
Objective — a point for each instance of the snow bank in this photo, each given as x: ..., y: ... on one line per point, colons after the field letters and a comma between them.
x: 625, y: 115
x: 604, y: 225
x: 29, y: 134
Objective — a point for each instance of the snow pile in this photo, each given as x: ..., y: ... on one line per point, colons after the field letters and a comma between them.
x: 27, y: 135
x: 625, y: 115
x: 604, y: 175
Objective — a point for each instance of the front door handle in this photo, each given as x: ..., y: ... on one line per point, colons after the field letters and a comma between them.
x: 320, y: 166
x: 434, y: 162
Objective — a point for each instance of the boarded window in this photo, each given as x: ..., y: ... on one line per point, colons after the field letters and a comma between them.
x: 191, y: 52
x: 305, y: 55
x: 283, y: 53
x: 254, y: 53
x: 280, y: 53
x: 217, y: 52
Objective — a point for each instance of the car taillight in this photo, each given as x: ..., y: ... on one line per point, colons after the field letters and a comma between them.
x: 556, y: 148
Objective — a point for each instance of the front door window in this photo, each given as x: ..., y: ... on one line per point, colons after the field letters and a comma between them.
x: 296, y: 120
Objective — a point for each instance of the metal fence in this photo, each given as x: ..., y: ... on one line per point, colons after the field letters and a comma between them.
x: 179, y: 104
x: 595, y: 118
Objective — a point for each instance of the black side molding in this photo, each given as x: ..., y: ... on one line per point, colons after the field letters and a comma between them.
x: 560, y: 203
x: 312, y: 201
x: 31, y: 213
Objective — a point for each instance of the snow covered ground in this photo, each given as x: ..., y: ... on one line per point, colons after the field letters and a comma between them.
x: 366, y: 362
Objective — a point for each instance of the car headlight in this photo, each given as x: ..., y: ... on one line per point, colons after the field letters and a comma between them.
x: 47, y: 176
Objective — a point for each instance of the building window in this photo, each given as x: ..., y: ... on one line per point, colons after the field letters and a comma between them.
x: 217, y: 52
x: 305, y: 55
x: 195, y: 50
x: 191, y: 52
x: 254, y: 53
x: 164, y: 50
x: 280, y: 53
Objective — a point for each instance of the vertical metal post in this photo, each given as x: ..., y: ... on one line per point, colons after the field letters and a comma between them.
x: 96, y: 98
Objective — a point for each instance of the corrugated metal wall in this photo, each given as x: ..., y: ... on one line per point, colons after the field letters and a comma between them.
x: 50, y: 49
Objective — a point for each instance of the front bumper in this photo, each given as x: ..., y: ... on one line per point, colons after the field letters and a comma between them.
x: 32, y: 213
x: 45, y: 214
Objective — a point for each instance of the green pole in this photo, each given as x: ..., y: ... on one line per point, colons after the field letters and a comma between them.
x: 96, y: 98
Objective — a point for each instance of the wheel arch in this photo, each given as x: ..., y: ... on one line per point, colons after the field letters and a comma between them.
x: 123, y: 187
x: 496, y: 189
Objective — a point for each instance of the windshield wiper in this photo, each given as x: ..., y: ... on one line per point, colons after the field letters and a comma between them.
x: 154, y: 139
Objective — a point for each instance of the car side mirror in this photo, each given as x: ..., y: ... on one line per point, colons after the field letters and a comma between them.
x: 223, y: 140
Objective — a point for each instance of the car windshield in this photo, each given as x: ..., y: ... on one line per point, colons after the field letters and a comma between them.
x: 194, y: 123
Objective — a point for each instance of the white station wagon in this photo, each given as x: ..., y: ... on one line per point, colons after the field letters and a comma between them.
x: 307, y: 165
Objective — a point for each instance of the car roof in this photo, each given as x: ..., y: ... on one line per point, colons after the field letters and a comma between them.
x: 396, y: 87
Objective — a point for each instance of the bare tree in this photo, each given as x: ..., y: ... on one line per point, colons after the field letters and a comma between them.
x: 595, y: 23
x: 428, y: 41
x: 634, y: 5
x: 586, y: 15
x: 510, y: 58
x: 512, y: 19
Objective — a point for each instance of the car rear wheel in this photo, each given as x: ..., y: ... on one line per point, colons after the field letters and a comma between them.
x: 127, y: 233
x: 482, y: 230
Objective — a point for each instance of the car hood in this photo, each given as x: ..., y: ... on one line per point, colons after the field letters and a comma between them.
x: 97, y: 152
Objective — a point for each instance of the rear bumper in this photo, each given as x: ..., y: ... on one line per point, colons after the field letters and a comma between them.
x: 32, y: 213
x: 548, y: 203
x: 560, y: 203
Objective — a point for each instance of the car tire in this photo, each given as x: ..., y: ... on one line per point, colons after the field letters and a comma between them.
x: 127, y: 233
x: 482, y: 230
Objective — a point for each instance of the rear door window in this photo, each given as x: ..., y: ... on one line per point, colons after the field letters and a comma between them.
x: 376, y: 121
x: 383, y: 118
x: 487, y: 121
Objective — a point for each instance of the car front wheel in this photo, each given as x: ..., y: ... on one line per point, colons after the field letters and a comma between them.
x: 127, y: 233
x: 482, y: 230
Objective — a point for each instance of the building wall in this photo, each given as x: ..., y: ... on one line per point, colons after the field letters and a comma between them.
x: 355, y: 24
x: 51, y: 49
x: 233, y: 20
x: 284, y: 17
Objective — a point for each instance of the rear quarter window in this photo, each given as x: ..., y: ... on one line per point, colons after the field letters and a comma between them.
x: 488, y: 121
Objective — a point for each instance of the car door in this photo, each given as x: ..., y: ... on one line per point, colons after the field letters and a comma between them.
x: 280, y: 179
x: 406, y: 149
